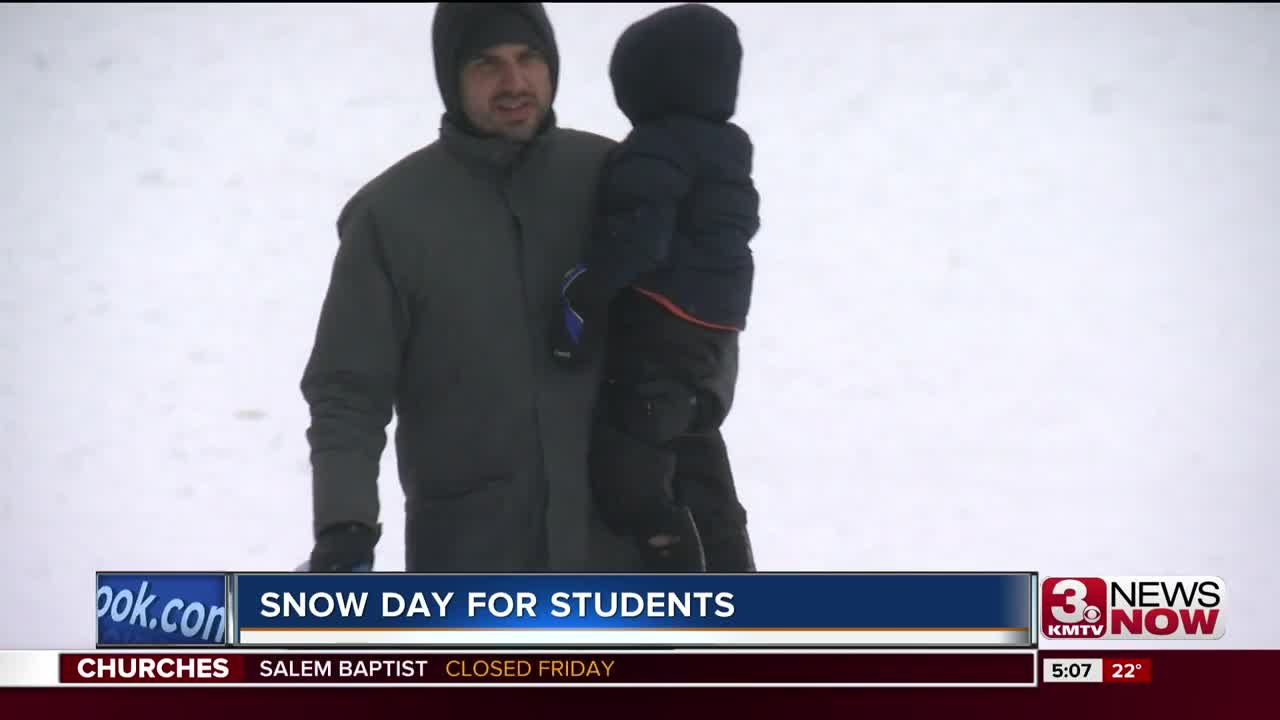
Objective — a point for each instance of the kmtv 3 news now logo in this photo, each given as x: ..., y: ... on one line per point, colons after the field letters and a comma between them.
x: 1144, y: 607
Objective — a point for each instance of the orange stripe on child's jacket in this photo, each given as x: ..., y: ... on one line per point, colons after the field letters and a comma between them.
x: 680, y: 313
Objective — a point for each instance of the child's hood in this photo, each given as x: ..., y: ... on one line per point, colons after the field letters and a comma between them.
x: 683, y: 59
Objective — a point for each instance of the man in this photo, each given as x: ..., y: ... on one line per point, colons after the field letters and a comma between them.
x: 440, y: 306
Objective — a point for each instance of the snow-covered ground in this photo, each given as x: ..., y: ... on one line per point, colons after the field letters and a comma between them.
x: 1017, y: 289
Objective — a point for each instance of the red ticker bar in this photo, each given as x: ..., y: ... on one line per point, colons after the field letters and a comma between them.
x: 524, y: 668
x: 1184, y: 683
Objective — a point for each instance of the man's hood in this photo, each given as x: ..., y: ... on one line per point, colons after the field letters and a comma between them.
x: 455, y: 22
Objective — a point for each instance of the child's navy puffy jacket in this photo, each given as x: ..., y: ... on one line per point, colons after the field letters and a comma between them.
x: 678, y: 205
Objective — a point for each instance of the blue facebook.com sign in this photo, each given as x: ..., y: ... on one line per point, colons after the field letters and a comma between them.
x: 162, y: 609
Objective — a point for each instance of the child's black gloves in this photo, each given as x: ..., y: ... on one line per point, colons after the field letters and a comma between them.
x: 676, y: 546
x: 577, y: 328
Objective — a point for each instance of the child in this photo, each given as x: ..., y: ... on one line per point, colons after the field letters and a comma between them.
x: 665, y: 288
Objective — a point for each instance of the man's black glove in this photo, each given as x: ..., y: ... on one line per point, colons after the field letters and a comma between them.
x: 576, y: 331
x: 344, y: 548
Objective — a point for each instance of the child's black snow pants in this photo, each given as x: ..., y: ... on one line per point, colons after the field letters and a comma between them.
x: 659, y: 464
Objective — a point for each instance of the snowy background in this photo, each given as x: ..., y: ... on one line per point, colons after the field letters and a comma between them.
x: 1018, y: 280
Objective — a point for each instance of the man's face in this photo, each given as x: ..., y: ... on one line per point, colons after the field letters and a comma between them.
x: 507, y: 91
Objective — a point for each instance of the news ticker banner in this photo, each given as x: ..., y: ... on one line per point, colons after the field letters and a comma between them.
x: 907, y: 610
x: 620, y: 668
x: 668, y: 610
x: 765, y: 609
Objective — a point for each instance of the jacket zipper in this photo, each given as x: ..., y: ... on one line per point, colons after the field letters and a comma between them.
x: 543, y: 488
